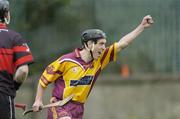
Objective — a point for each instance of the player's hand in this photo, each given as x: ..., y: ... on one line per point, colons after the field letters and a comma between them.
x: 147, y: 21
x: 37, y: 106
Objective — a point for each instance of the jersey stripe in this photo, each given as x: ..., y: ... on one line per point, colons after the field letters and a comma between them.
x: 23, y: 60
x: 104, y: 55
x: 20, y: 49
x: 5, y: 51
x: 44, y: 80
x: 112, y: 54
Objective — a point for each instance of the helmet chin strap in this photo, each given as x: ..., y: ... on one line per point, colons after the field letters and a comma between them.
x: 90, y: 50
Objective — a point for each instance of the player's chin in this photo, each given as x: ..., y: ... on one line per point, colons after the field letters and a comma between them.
x: 97, y: 56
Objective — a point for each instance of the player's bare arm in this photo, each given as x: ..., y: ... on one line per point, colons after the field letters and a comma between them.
x: 21, y: 73
x: 38, y: 100
x: 20, y: 76
x: 127, y: 39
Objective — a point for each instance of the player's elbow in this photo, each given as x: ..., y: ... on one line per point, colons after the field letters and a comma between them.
x: 21, y: 73
x: 122, y: 45
x: 23, y: 70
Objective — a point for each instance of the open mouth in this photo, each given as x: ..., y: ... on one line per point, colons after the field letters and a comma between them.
x: 99, y: 53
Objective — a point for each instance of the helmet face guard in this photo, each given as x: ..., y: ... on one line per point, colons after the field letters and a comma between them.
x: 92, y: 35
x: 4, y: 8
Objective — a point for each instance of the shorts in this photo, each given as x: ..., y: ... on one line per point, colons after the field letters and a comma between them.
x: 6, y: 107
x: 72, y: 109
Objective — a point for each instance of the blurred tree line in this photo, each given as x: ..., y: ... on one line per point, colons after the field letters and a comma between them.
x: 53, y: 27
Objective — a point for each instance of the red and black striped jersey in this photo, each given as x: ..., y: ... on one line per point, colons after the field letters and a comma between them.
x: 14, y: 52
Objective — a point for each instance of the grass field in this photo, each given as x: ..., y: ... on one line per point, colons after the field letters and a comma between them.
x: 121, y: 99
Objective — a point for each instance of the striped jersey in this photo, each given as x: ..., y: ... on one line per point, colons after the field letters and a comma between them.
x: 14, y: 52
x: 71, y: 75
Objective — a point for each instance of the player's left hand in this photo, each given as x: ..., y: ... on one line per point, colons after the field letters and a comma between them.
x: 147, y: 21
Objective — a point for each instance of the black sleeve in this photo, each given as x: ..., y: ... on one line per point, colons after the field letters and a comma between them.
x: 22, y: 53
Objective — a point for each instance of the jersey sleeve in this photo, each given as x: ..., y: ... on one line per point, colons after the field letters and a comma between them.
x: 108, y: 55
x: 51, y: 73
x: 22, y: 53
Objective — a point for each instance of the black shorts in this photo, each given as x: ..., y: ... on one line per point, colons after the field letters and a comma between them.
x: 6, y: 107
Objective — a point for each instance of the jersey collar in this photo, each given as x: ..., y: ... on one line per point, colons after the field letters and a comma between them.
x: 77, y: 52
x: 2, y: 26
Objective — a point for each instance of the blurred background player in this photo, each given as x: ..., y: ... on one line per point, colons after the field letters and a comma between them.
x: 15, y: 56
x: 76, y: 72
